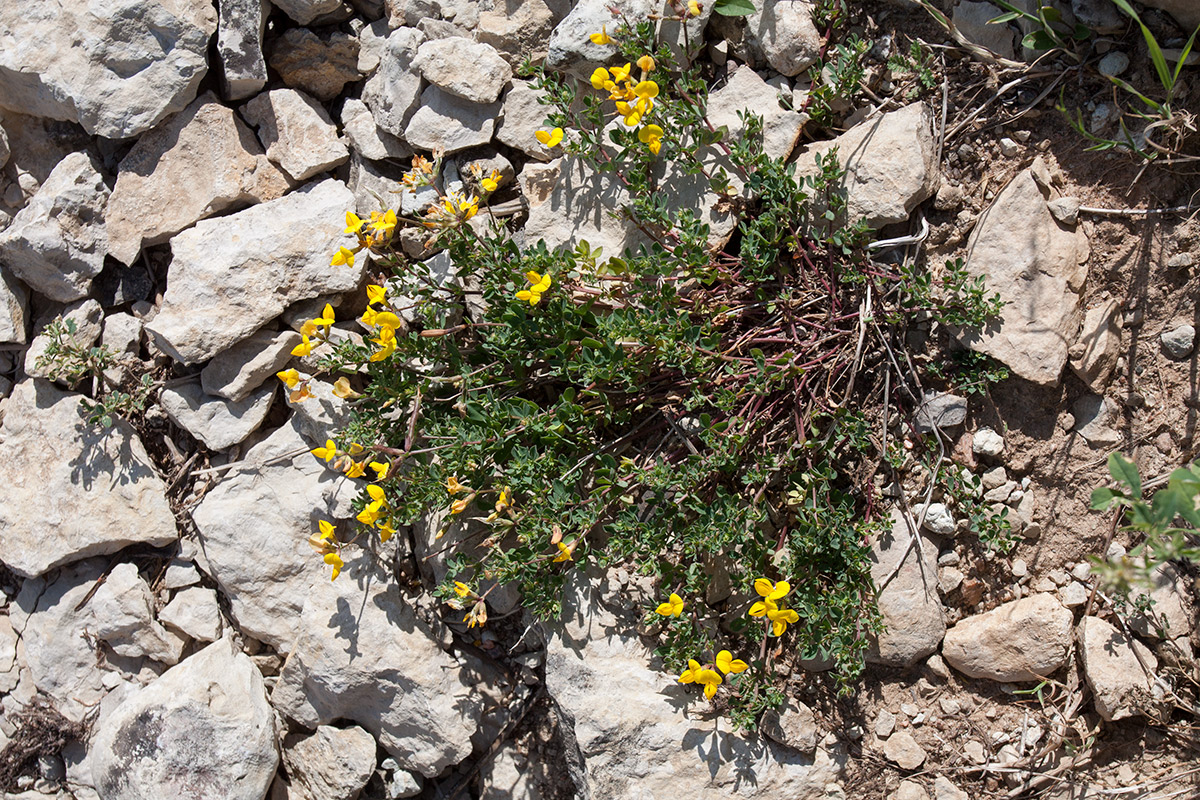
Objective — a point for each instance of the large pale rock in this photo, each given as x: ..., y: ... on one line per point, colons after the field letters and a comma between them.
x: 305, y: 11
x: 117, y: 70
x: 206, y: 148
x: 57, y: 243
x: 366, y: 138
x: 203, y: 730
x: 298, y: 133
x: 890, y: 162
x: 1170, y: 614
x: 318, y: 64
x: 269, y: 509
x: 230, y: 276
x: 1025, y: 640
x: 450, y: 123
x: 1094, y: 354
x: 904, y: 570
x: 330, y: 764
x: 517, y: 29
x: 973, y: 20
x: 216, y: 422
x: 782, y: 33
x: 241, y: 369
x: 569, y: 203
x: 639, y: 736
x: 1121, y: 686
x: 1185, y: 11
x: 14, y: 309
x: 746, y: 90
x: 1037, y: 267
x: 194, y: 612
x: 466, y: 69
x: 240, y: 26
x: 394, y: 91
x: 572, y: 51
x: 363, y: 656
x: 122, y: 615
x: 523, y: 116
x: 94, y: 491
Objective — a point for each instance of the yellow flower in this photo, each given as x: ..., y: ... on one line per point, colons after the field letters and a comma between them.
x: 693, y: 8
x: 646, y: 89
x: 620, y: 74
x: 386, y: 342
x: 381, y: 469
x: 353, y: 223
x: 550, y: 139
x: 461, y: 589
x: 477, y: 615
x: 334, y: 560
x: 325, y: 541
x: 344, y: 255
x: 341, y: 388
x: 565, y: 552
x: 376, y: 494
x: 646, y: 63
x: 368, y: 317
x: 386, y: 531
x: 327, y: 318
x: 772, y: 591
x: 304, y: 348
x: 632, y: 118
x: 376, y: 293
x: 326, y: 529
x: 728, y: 664
x: 290, y: 377
x: 768, y: 607
x: 309, y: 329
x: 538, y: 285
x: 370, y: 514
x: 327, y: 452
x: 708, y: 678
x: 602, y: 37
x: 355, y: 469
x: 492, y: 182
x: 599, y: 78
x: 300, y: 394
x: 780, y: 618
x: 355, y: 448
x: 459, y: 506
x: 502, y: 501
x: 384, y: 223
x: 689, y: 674
x: 453, y: 486
x: 651, y: 136
x: 386, y: 319
x: 672, y: 608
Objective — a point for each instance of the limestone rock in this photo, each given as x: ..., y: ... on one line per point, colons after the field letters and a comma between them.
x: 909, y: 790
x: 240, y: 26
x: 121, y: 615
x: 316, y: 416
x: 1094, y: 354
x: 298, y: 134
x: 205, y: 148
x: 366, y: 137
x: 305, y: 11
x: 194, y: 612
x: 12, y: 657
x: 466, y: 69
x: 117, y: 70
x: 746, y: 90
x: 782, y: 33
x: 973, y: 20
x: 14, y: 309
x: 639, y: 736
x: 1179, y: 342
x: 86, y: 315
x: 330, y: 764
x: 364, y: 657
x: 204, y: 729
x: 394, y: 91
x: 94, y: 492
x: 987, y: 443
x: 450, y: 123
x: 943, y: 789
x: 57, y: 243
x: 889, y: 162
x: 795, y: 727
x: 938, y: 519
x: 905, y: 572
x: 317, y: 64
x: 238, y: 371
x: 1184, y: 11
x: 230, y: 276
x: 1024, y: 640
x: 571, y: 50
x: 510, y: 774
x: 902, y: 749
x: 940, y: 411
x: 517, y: 29
x: 1096, y: 418
x: 1170, y: 615
x: 1037, y: 268
x: 122, y: 334
x: 1120, y: 685
x: 218, y: 423
x: 270, y: 508
x: 523, y: 116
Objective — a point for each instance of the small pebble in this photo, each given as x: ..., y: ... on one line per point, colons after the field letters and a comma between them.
x: 1009, y: 148
x: 1019, y: 568
x: 1113, y: 64
x: 1178, y: 343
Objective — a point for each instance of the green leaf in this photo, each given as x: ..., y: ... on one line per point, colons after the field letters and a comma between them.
x: 1003, y: 18
x: 1125, y: 471
x: 1102, y: 498
x: 594, y: 344
x: 734, y: 8
x: 1038, y: 40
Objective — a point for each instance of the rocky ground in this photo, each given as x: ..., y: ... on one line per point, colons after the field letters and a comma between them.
x: 174, y: 176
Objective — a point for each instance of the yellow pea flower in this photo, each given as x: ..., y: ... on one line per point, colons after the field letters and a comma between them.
x: 728, y: 664
x: 386, y: 531
x: 538, y: 285
x: 689, y: 675
x: 565, y: 552
x: 502, y: 501
x: 461, y: 589
x: 708, y: 678
x: 370, y: 514
x: 646, y: 89
x: 780, y: 618
x: 376, y: 293
x: 651, y: 136
x: 492, y: 182
x: 344, y: 255
x: 459, y: 506
x: 477, y: 615
x: 377, y: 494
x: 672, y: 608
x: 453, y: 486
x: 646, y: 63
x: 384, y: 223
x: 334, y: 560
x: 353, y: 223
x: 693, y: 8
x: 602, y: 37
x: 341, y: 388
x: 326, y: 529
x: 770, y: 590
x: 355, y: 469
x: 327, y: 452
x: 386, y: 319
x: 381, y: 469
x: 304, y: 348
x: 355, y: 448
x: 387, y: 344
x: 325, y: 541
x: 620, y: 74
x: 327, y: 318
x: 599, y: 78
x: 632, y: 118
x: 290, y: 377
x: 301, y: 394
x: 550, y: 139
x: 368, y: 317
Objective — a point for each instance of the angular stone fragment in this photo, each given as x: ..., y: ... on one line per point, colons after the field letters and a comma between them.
x: 116, y: 69
x: 121, y: 615
x: 218, y: 423
x: 240, y: 26
x: 305, y: 11
x: 1024, y: 640
x: 450, y: 123
x: 331, y: 764
x: 298, y: 133
x: 782, y: 33
x: 230, y: 276
x: 1038, y: 269
x: 523, y: 116
x: 466, y: 69
x: 517, y: 30
x: 1121, y: 686
x: 204, y: 729
x: 319, y: 65
x: 14, y: 309
x: 241, y: 369
x: 194, y: 612
x: 94, y: 491
x: 1094, y: 354
x: 57, y: 243
x: 746, y: 90
x: 904, y: 570
x: 366, y: 138
x: 206, y: 148
x: 394, y: 91
x: 902, y: 749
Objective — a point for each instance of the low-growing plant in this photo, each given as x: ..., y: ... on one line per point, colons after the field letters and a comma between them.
x: 704, y: 409
x: 1052, y: 31
x: 64, y: 359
